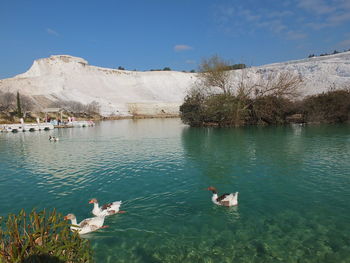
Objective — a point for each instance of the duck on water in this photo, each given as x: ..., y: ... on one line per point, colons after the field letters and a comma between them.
x: 88, y: 225
x: 225, y: 199
x: 107, y: 209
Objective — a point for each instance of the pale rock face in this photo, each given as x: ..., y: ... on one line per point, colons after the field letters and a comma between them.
x: 123, y: 92
x: 319, y: 74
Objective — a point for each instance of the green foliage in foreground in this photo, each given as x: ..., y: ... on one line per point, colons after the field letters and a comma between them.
x: 232, y: 110
x: 41, y: 237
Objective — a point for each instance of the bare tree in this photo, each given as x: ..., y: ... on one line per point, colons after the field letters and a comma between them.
x: 214, y: 73
x: 93, y: 107
x: 27, y: 104
x: 284, y: 84
x: 7, y: 101
x: 75, y: 106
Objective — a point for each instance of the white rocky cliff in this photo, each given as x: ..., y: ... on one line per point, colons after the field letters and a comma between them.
x: 122, y: 92
x: 119, y: 92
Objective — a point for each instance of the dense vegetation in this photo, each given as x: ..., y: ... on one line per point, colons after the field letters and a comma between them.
x: 217, y: 100
x: 330, y: 107
x: 229, y: 110
x: 41, y: 237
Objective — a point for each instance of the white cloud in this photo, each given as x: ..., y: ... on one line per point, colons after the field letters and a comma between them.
x: 316, y: 6
x: 179, y: 48
x: 249, y: 16
x: 190, y: 61
x: 52, y: 32
x: 275, y: 26
x: 345, y: 43
x: 294, y: 35
x: 331, y: 14
x: 339, y: 18
x: 280, y: 14
x: 293, y: 20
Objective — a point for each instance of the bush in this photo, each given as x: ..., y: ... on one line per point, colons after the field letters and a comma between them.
x: 41, y: 237
x: 271, y: 110
x: 225, y: 110
x: 217, y: 110
x: 230, y: 110
x: 191, y: 110
x: 329, y: 107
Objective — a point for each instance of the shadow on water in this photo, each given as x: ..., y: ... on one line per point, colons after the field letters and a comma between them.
x: 223, y: 154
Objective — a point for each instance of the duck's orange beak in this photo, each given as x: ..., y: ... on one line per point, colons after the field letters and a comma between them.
x: 91, y: 202
x: 65, y: 218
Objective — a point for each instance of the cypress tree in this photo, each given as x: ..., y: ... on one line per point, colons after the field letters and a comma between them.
x: 19, y: 110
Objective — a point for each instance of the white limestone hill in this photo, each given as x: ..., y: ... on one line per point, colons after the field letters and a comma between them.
x: 122, y: 92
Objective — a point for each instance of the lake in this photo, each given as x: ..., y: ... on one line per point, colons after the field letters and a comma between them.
x: 293, y: 184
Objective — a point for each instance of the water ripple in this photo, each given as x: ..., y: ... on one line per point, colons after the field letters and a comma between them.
x: 293, y: 183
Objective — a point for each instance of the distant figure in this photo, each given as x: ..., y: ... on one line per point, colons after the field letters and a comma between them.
x: 53, y: 139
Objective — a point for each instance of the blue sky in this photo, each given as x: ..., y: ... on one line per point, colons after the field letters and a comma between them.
x: 150, y: 34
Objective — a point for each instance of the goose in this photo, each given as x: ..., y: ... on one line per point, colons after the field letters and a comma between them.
x: 107, y: 209
x: 225, y: 199
x: 53, y: 138
x: 88, y: 225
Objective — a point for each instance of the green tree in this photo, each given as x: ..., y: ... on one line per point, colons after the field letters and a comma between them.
x: 19, y: 109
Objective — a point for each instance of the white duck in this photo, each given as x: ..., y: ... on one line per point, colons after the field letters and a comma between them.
x: 53, y: 138
x: 87, y: 225
x: 107, y: 209
x: 225, y: 199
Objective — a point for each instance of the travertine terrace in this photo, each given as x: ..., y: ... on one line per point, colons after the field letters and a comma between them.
x: 123, y: 92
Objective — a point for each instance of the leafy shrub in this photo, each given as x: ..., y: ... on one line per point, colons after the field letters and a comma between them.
x: 218, y: 110
x: 225, y: 110
x: 330, y: 107
x: 271, y: 110
x: 192, y: 110
x: 229, y: 110
x: 41, y: 237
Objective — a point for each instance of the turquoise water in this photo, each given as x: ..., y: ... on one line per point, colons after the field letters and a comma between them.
x: 294, y: 184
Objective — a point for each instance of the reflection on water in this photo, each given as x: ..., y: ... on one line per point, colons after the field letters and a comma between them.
x: 294, y: 203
